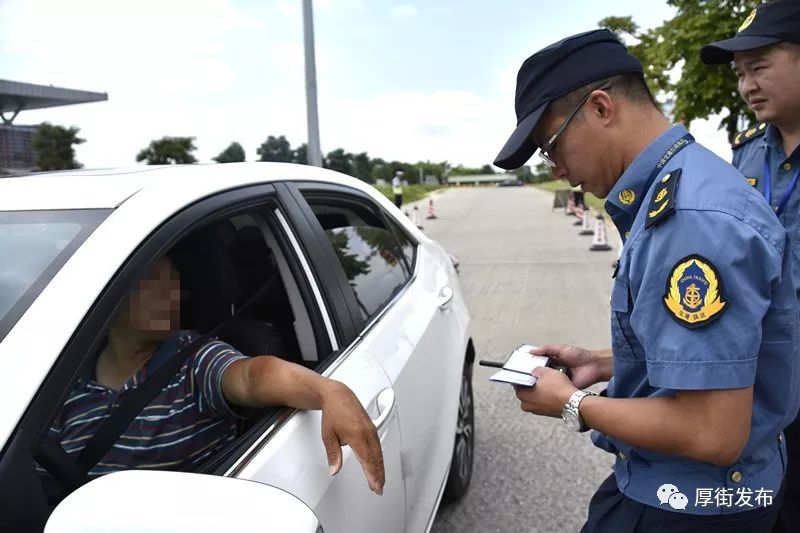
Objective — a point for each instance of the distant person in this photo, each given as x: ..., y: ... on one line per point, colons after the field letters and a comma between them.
x: 704, y: 369
x: 397, y: 188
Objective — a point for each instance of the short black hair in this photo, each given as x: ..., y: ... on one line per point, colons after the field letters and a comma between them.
x: 630, y: 86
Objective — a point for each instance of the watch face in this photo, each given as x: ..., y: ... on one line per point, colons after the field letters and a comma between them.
x: 572, y: 421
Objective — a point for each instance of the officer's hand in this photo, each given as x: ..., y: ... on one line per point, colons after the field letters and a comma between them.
x: 549, y: 395
x: 584, y: 364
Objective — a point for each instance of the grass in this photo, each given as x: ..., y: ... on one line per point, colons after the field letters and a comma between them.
x: 591, y: 200
x: 411, y: 193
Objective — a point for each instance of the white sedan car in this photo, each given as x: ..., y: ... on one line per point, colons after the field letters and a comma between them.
x: 362, y: 296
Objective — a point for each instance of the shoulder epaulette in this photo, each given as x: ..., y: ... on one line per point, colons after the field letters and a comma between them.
x: 662, y: 203
x: 744, y: 137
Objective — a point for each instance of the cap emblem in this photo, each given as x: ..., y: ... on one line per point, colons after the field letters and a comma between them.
x: 749, y: 20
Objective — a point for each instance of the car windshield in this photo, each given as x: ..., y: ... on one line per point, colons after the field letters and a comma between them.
x: 34, y: 245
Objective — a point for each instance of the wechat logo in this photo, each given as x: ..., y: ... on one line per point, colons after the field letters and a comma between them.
x: 669, y: 494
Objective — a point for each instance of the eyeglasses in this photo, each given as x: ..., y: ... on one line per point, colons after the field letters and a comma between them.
x: 545, y: 151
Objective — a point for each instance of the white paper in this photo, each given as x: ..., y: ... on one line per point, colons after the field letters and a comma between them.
x: 521, y: 360
x: 514, y: 378
x: 517, y: 369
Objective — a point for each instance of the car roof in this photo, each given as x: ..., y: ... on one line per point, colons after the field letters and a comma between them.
x: 109, y: 188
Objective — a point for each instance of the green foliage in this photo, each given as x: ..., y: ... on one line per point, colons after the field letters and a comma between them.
x: 52, y: 146
x: 358, y: 165
x: 591, y: 200
x: 362, y: 166
x: 275, y: 149
x: 351, y: 264
x: 411, y: 193
x: 169, y: 151
x: 300, y: 155
x: 701, y: 90
x: 232, y: 154
x: 461, y: 170
x: 340, y: 161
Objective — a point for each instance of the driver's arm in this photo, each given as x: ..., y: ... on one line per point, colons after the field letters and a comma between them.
x: 270, y: 381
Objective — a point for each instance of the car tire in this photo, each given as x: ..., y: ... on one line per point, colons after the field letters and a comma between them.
x: 464, y: 446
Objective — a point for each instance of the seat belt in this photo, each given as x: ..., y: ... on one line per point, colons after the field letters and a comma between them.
x: 130, y: 407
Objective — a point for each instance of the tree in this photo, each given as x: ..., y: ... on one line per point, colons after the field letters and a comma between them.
x: 381, y: 171
x: 524, y: 173
x: 300, y: 155
x: 461, y: 170
x: 169, y: 151
x: 232, y: 154
x: 275, y: 149
x: 430, y: 169
x: 701, y: 90
x: 340, y: 161
x: 362, y: 167
x: 52, y: 146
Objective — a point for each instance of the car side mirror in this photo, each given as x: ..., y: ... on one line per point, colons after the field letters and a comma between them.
x: 136, y: 501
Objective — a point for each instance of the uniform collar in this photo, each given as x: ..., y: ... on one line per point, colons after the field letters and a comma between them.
x: 626, y: 196
x: 772, y: 138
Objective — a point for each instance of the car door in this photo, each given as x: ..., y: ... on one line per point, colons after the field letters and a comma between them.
x: 289, y: 454
x: 402, y: 298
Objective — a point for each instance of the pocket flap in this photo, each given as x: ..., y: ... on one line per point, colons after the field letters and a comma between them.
x: 619, y: 297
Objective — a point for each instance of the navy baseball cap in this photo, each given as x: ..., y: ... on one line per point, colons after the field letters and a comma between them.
x: 557, y: 70
x: 766, y: 25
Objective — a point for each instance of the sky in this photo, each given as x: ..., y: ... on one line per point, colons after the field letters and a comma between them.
x: 414, y: 81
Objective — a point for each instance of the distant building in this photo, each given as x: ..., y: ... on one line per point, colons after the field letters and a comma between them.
x: 478, y: 179
x: 16, y: 151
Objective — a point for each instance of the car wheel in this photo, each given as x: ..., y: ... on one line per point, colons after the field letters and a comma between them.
x: 464, y: 446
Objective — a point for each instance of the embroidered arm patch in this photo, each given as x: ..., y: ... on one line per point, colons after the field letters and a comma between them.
x: 694, y: 296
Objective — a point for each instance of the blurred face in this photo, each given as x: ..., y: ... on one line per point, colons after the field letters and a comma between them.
x: 154, y: 305
x: 769, y: 82
x: 580, y: 153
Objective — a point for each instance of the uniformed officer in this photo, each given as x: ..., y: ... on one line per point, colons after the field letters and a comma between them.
x: 397, y: 188
x: 766, y: 56
x: 703, y: 372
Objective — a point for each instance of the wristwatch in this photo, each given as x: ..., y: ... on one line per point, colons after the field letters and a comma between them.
x: 571, y: 413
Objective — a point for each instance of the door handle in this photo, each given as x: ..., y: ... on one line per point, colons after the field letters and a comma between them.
x: 385, y: 403
x: 445, y: 298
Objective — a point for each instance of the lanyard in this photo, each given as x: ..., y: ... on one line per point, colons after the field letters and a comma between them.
x: 768, y: 185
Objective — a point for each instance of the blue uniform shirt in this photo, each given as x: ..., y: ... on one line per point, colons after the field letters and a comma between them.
x: 748, y: 157
x: 703, y: 299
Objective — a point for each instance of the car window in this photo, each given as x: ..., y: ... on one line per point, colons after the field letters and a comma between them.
x: 408, y: 247
x: 33, y: 247
x: 372, y: 258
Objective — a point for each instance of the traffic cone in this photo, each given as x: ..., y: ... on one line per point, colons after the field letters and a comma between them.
x: 431, y: 210
x: 580, y: 214
x: 570, y: 209
x: 415, y: 217
x: 586, y: 228
x: 600, y: 240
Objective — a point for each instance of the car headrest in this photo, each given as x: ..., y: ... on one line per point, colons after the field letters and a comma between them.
x: 209, y: 280
x: 253, y: 260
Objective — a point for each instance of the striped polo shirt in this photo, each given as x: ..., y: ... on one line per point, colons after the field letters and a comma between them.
x: 177, y: 430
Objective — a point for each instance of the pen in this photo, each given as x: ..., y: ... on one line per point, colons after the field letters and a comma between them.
x: 494, y: 364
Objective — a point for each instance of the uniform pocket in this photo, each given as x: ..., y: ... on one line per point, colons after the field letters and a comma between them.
x: 622, y: 337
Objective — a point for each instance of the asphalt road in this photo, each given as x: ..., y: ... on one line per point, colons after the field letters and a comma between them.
x: 528, y: 278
